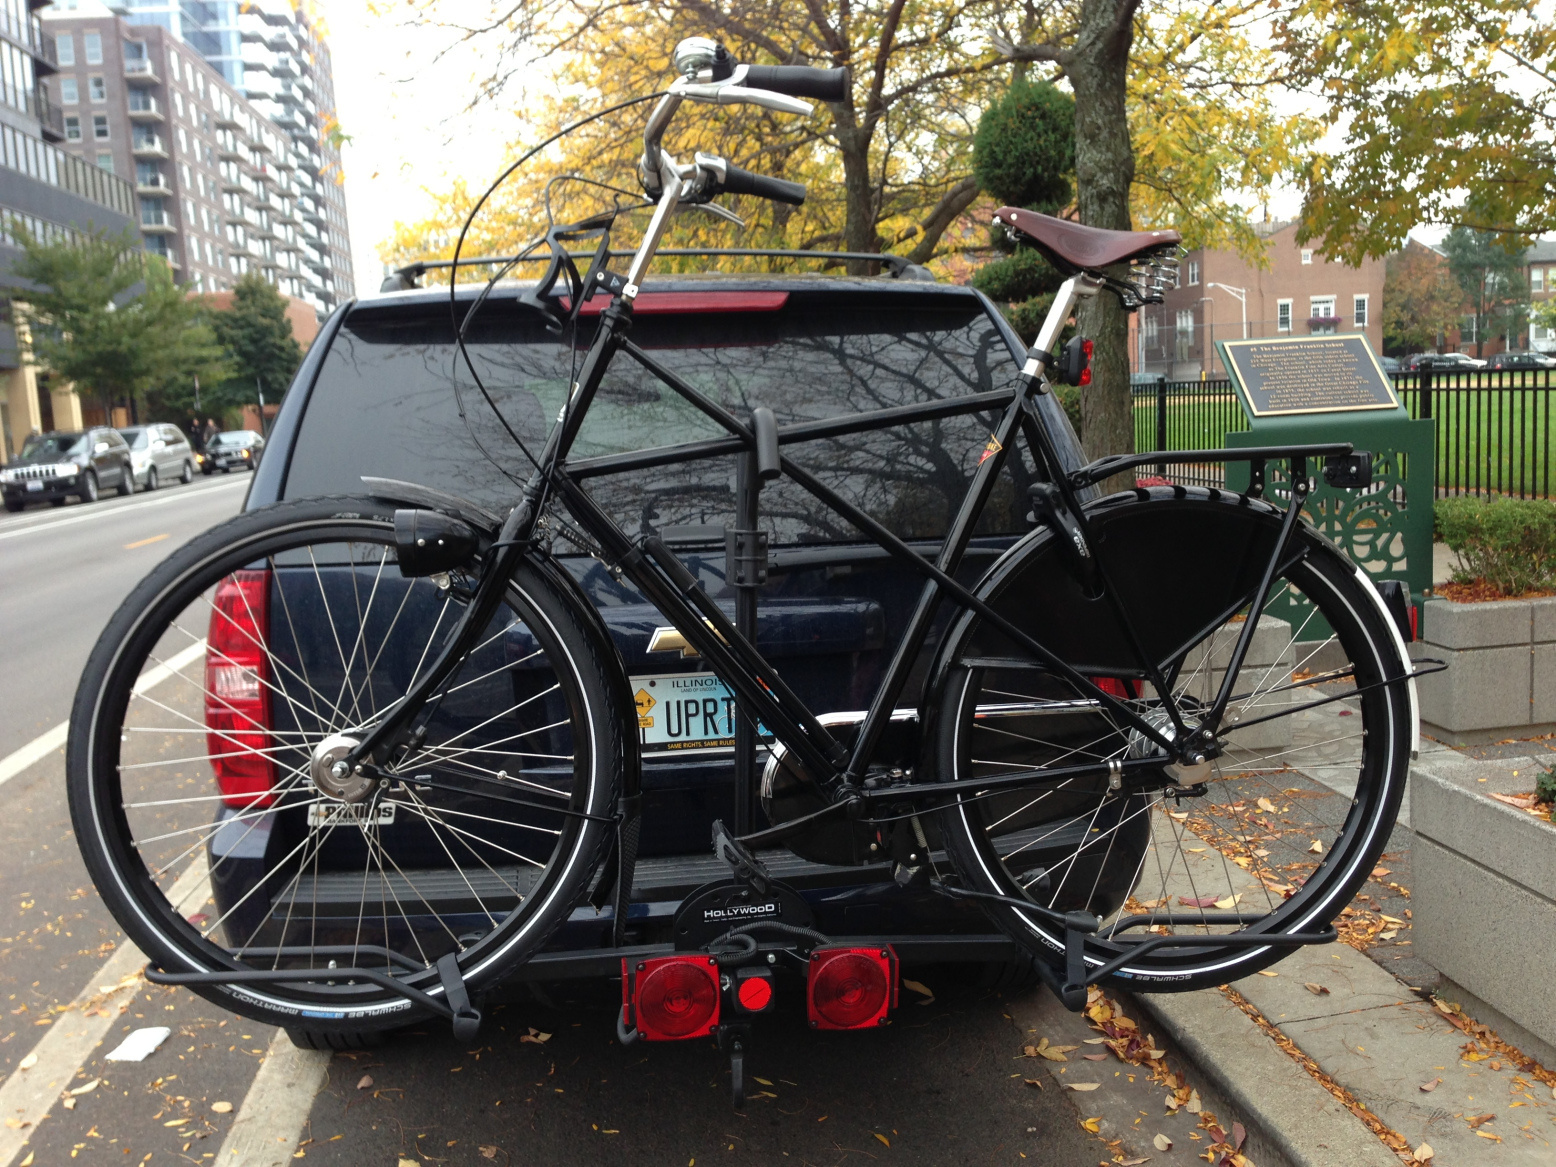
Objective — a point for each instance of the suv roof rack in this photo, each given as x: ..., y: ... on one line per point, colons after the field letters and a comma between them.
x: 404, y: 279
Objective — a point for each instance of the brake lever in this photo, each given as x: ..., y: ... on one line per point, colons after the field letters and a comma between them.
x: 721, y: 212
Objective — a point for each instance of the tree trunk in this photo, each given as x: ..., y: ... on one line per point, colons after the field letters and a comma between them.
x: 1104, y: 171
x: 859, y: 209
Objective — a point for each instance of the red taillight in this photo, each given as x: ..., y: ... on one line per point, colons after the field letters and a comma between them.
x: 754, y: 989
x: 851, y: 988
x: 1086, y: 347
x: 671, y: 998
x: 237, y: 697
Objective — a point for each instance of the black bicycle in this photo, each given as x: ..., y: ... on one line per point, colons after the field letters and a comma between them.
x: 307, y: 717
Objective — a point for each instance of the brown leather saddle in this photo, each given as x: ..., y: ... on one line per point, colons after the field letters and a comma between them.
x: 1074, y: 248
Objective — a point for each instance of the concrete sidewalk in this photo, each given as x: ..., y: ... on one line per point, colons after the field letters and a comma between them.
x: 1330, y: 1059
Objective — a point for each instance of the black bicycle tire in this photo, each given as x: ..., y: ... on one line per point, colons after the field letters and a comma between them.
x: 149, y: 927
x: 971, y: 853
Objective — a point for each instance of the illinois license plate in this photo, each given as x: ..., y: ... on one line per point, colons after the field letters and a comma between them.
x: 684, y: 711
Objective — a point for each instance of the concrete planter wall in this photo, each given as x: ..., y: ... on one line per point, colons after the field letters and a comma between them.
x: 1483, y: 896
x: 1501, y: 664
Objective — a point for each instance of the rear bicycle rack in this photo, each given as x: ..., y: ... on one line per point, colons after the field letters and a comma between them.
x: 1078, y: 978
x: 453, y: 1006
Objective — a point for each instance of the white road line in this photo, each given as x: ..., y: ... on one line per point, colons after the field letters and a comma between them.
x: 46, y: 743
x: 102, y: 512
x: 27, y: 1095
x: 275, y: 1109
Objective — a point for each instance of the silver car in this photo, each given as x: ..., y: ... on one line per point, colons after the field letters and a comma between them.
x: 159, y: 453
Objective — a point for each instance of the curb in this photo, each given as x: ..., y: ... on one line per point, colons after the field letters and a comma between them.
x: 1283, y: 1107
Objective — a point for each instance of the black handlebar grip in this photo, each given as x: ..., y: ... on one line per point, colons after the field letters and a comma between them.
x: 799, y: 81
x: 738, y: 181
x: 765, y: 428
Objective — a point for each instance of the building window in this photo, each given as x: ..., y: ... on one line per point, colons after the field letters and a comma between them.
x: 105, y: 161
x: 100, y: 127
x: 178, y: 102
x: 183, y: 140
x: 1185, y: 332
x: 1307, y: 255
x: 1537, y: 279
x: 94, y: 47
x: 1282, y: 315
x: 1193, y: 273
x: 72, y: 129
x: 1149, y: 329
x: 69, y: 91
x: 1358, y: 311
x: 97, y: 89
x: 65, y: 49
x: 1321, y: 317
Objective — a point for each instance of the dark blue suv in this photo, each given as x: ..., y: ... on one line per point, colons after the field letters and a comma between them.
x: 377, y: 397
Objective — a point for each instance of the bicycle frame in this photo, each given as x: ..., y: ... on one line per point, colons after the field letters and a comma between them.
x: 761, y: 694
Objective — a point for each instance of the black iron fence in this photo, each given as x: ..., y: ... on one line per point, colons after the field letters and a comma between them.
x: 1494, y: 429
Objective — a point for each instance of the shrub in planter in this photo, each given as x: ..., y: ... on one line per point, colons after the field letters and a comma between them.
x: 1509, y: 543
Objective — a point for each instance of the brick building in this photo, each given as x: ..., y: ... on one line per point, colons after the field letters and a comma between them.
x: 1220, y: 296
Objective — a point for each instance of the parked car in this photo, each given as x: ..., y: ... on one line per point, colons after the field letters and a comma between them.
x: 833, y: 607
x: 232, y: 450
x: 159, y: 453
x: 65, y: 464
x: 1522, y: 360
x: 1449, y: 362
x: 1390, y: 365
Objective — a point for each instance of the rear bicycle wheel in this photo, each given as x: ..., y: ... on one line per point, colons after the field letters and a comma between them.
x: 1294, y: 812
x: 223, y: 838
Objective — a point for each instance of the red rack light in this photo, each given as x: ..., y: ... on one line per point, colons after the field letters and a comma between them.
x: 671, y: 998
x: 851, y: 988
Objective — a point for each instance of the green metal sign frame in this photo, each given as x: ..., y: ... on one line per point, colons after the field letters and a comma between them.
x: 1385, y: 528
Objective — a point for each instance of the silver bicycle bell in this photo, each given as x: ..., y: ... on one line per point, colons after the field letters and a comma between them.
x: 694, y: 58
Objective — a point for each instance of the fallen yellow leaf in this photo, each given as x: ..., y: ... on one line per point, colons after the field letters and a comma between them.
x: 1268, y: 972
x: 27, y: 1162
x: 1316, y: 848
x: 1423, y: 1153
x: 916, y: 987
x: 1162, y: 1142
x: 1083, y: 1086
x: 28, y: 1062
x: 1268, y: 807
x: 88, y: 1087
x: 882, y: 1137
x: 221, y: 1107
x: 1091, y: 1124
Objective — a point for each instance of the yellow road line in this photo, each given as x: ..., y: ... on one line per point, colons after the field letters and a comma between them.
x: 143, y: 542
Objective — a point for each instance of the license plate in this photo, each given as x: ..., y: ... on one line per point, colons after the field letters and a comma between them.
x: 357, y: 814
x: 684, y: 711
x: 35, y: 484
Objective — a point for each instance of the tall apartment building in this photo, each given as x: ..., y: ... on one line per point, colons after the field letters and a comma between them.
x: 219, y: 188
x: 1221, y: 296
x: 48, y: 193
x: 272, y: 53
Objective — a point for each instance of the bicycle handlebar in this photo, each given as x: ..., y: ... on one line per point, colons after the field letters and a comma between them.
x: 799, y: 81
x: 779, y: 190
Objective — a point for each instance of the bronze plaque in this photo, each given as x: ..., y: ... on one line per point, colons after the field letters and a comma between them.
x: 1308, y: 374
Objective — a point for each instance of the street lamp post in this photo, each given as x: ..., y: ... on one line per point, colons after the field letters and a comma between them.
x: 1242, y: 300
x: 1207, y: 342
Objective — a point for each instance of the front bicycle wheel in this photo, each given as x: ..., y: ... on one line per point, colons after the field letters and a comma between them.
x: 1292, y: 815
x: 223, y: 835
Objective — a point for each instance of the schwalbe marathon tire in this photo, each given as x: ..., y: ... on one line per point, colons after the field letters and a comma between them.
x: 1366, y: 829
x: 123, y: 885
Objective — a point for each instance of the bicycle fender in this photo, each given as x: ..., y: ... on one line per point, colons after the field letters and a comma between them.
x: 413, y: 494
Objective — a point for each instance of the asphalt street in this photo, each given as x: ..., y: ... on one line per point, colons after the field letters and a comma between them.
x: 946, y: 1083
x: 63, y: 572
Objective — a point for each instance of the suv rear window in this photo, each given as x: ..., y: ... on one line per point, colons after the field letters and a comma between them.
x: 390, y: 401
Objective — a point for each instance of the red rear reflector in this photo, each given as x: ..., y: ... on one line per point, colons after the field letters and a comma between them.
x: 754, y: 989
x: 851, y: 988
x: 1415, y: 613
x: 672, y: 998
x: 665, y: 303
x: 1116, y: 687
x: 237, y: 697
